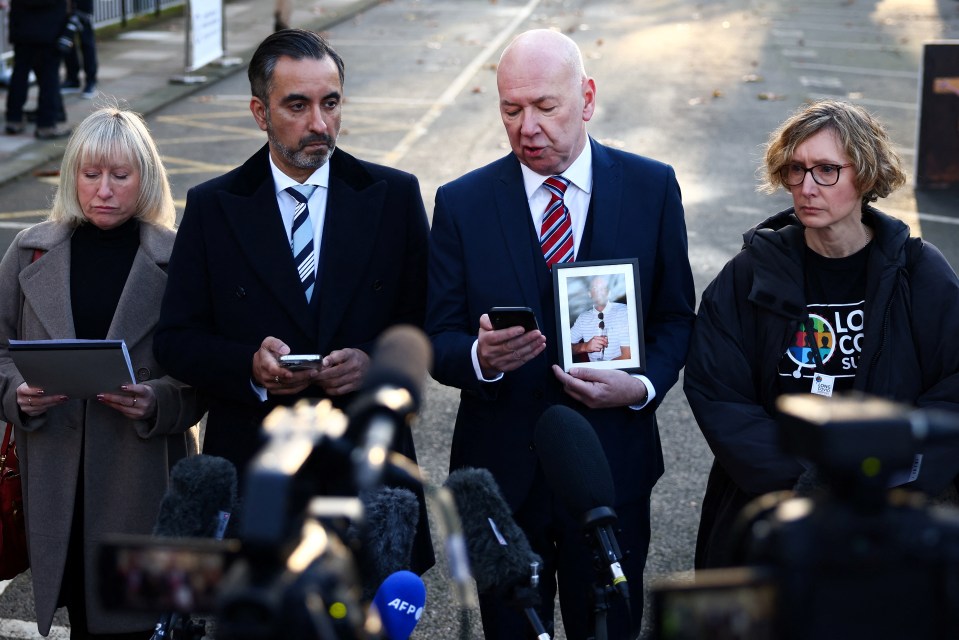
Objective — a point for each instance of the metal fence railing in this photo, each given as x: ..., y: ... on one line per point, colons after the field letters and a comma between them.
x: 105, y: 12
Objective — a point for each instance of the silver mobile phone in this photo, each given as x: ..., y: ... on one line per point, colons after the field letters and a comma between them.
x: 301, y: 361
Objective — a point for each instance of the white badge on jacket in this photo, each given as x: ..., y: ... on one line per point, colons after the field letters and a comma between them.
x: 822, y: 384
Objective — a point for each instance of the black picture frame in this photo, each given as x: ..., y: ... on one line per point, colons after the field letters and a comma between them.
x: 577, y: 316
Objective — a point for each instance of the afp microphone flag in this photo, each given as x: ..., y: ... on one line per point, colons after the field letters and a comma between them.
x: 400, y: 601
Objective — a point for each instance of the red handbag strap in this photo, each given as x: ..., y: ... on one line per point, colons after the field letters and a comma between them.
x: 4, y: 450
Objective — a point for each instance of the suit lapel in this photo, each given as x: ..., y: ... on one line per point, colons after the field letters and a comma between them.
x: 255, y: 223
x: 606, y: 202
x: 353, y: 215
x: 40, y: 282
x: 513, y: 216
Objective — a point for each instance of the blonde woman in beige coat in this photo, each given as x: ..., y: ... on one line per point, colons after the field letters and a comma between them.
x: 95, y: 269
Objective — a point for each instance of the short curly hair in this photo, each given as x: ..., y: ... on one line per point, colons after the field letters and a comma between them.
x: 863, y: 138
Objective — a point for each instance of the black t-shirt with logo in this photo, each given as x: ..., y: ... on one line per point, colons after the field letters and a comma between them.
x: 835, y: 301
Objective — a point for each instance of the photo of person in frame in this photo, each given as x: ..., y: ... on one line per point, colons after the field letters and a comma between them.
x: 600, y: 332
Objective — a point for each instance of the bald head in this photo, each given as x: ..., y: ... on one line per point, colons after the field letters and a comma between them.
x: 546, y: 99
x: 544, y: 48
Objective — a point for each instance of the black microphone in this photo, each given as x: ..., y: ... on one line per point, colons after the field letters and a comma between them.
x: 499, y: 553
x: 390, y: 396
x: 576, y: 468
x: 199, y: 500
x: 385, y: 535
x: 197, y: 504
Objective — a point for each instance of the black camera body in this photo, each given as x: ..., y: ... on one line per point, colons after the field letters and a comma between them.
x: 843, y: 573
x: 852, y: 560
x: 290, y: 572
x: 321, y: 496
x: 68, y: 36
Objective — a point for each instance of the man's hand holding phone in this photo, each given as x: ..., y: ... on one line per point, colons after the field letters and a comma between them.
x: 511, y: 343
x: 272, y: 375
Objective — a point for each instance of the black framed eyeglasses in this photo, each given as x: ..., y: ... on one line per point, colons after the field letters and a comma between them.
x: 825, y: 175
x: 602, y: 325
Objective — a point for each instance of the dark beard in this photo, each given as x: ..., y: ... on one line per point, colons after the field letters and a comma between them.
x: 298, y: 157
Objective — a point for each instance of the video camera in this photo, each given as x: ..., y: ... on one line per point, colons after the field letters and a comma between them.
x: 853, y: 559
x: 294, y: 569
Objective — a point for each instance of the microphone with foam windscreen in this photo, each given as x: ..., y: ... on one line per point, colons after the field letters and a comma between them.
x: 390, y: 396
x: 500, y: 556
x: 385, y: 535
x: 197, y: 504
x: 576, y: 468
x: 400, y: 602
x: 199, y: 500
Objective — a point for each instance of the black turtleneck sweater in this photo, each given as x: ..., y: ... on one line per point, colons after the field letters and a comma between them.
x: 100, y: 261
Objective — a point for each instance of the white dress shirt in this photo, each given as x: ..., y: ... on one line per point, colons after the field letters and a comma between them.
x: 316, y: 203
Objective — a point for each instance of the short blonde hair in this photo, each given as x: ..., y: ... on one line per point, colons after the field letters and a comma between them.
x: 107, y: 135
x: 863, y: 138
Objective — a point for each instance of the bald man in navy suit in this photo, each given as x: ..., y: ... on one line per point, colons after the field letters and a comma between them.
x: 485, y: 251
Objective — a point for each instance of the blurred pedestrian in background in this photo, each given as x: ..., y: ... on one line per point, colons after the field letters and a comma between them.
x: 35, y: 26
x: 281, y: 16
x: 96, y: 269
x: 86, y: 35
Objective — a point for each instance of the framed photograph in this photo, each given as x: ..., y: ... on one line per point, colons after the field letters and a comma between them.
x: 599, y: 315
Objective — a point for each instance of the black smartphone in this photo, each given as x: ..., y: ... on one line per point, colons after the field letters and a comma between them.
x: 505, y: 317
x: 298, y: 362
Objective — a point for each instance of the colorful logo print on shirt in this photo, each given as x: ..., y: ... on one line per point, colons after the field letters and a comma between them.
x: 824, y: 335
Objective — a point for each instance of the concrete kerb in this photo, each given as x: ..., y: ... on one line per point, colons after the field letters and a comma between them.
x: 40, y: 152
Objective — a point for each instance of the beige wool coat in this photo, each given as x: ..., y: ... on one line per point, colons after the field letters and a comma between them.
x: 125, y: 462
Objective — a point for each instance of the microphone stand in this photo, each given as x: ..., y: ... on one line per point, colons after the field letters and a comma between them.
x: 607, y: 556
x: 526, y: 597
x: 600, y: 609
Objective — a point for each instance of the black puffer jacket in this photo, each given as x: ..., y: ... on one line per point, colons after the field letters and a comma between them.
x: 750, y: 312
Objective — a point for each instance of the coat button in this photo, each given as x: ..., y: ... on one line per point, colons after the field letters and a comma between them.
x: 377, y: 285
x: 143, y: 374
x: 532, y: 446
x: 240, y: 292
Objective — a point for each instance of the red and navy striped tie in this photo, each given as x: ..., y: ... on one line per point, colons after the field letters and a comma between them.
x: 556, y: 234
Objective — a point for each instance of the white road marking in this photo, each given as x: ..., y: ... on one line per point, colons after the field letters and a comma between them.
x: 420, y: 129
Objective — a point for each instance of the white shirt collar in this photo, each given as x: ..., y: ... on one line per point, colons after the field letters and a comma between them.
x: 580, y: 173
x: 281, y: 181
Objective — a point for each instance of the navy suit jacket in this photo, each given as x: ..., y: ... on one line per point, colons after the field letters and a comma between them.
x: 484, y: 253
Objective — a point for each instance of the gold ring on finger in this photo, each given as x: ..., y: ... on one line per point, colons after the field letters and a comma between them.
x: 276, y: 379
x: 30, y: 401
